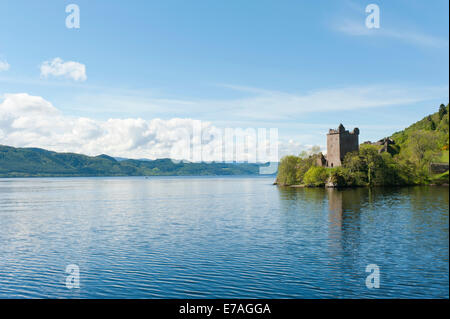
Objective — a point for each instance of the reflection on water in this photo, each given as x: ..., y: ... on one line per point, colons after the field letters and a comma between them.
x: 224, y: 237
x: 402, y: 230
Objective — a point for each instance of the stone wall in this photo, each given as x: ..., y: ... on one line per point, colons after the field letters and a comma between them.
x: 333, y: 150
x: 349, y: 143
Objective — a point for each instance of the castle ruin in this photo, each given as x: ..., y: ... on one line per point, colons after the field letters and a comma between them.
x: 339, y: 143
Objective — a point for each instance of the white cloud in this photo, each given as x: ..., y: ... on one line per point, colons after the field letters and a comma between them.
x: 31, y: 121
x: 359, y: 29
x: 293, y: 147
x: 4, y: 66
x: 285, y: 105
x: 262, y: 106
x: 70, y: 69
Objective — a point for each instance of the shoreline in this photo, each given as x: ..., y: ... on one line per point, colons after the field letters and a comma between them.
x: 359, y: 186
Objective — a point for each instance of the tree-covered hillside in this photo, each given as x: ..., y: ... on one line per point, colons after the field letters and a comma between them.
x: 423, y: 143
x: 34, y: 162
x: 406, y: 158
x: 434, y: 126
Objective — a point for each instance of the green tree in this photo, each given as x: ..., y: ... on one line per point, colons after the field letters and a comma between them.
x: 303, y: 165
x: 433, y: 125
x: 369, y: 167
x: 340, y: 177
x: 357, y: 169
x: 422, y: 146
x: 442, y: 111
x: 315, y: 176
x: 287, y: 170
x: 373, y: 161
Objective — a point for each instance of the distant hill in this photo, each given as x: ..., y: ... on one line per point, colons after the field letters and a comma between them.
x: 36, y: 162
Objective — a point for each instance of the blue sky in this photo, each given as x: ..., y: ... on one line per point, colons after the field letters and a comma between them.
x: 299, y: 66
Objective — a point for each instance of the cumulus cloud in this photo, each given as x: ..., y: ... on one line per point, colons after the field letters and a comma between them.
x: 4, y: 66
x: 69, y: 69
x: 32, y: 121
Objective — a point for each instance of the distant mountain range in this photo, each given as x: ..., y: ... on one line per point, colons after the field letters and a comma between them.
x: 36, y: 162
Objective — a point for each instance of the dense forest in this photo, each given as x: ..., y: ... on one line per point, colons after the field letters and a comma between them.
x: 405, y: 159
x: 35, y: 162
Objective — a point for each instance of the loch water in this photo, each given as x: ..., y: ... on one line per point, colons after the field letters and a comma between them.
x: 219, y: 237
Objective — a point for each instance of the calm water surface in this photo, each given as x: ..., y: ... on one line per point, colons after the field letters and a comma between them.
x: 219, y: 237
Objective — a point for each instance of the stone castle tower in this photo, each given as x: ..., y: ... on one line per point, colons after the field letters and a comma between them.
x: 339, y: 143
